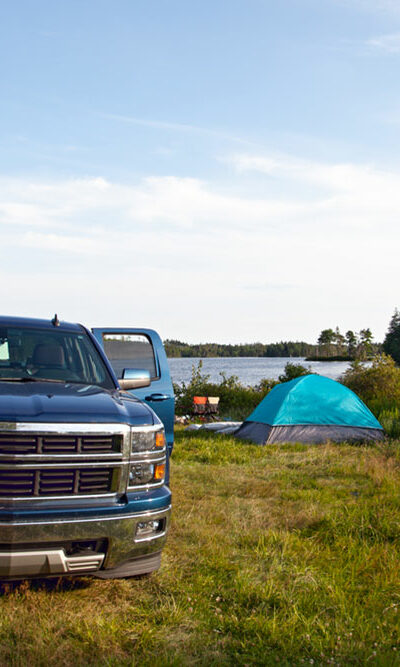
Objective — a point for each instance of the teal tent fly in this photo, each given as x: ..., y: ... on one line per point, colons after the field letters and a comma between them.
x: 310, y: 409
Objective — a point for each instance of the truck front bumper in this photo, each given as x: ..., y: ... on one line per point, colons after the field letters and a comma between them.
x: 131, y: 545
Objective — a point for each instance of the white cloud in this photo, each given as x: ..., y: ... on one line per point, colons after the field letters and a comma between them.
x: 19, y: 213
x: 388, y: 43
x: 170, y: 202
x: 372, y: 6
x: 64, y: 243
x: 175, y: 127
x: 201, y: 262
x: 334, y: 177
x: 356, y: 196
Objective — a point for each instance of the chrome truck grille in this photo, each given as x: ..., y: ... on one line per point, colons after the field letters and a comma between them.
x: 56, y: 481
x: 42, y: 461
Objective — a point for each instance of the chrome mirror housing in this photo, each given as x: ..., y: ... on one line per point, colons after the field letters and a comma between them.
x: 134, y: 378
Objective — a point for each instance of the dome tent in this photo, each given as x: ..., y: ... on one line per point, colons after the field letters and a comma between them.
x: 310, y: 409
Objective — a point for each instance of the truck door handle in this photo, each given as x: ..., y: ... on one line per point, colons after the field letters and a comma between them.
x: 157, y: 397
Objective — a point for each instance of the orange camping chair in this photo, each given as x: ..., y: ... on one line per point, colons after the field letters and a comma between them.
x: 199, y: 405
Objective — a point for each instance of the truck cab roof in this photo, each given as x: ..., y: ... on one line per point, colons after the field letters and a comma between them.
x: 38, y: 323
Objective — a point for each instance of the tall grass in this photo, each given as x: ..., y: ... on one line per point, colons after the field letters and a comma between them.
x: 277, y: 555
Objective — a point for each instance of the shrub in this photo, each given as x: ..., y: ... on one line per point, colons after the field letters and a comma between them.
x: 235, y: 401
x: 293, y: 371
x: 377, y: 385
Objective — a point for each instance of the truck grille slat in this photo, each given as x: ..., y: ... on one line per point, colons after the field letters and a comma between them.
x: 17, y: 482
x: 17, y: 443
x: 91, y: 481
x: 61, y: 445
x: 96, y: 444
x: 21, y: 445
x: 60, y: 481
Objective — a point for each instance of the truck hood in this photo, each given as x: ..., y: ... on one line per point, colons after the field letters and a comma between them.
x: 70, y: 403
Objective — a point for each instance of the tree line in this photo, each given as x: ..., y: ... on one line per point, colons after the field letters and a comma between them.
x: 351, y: 345
x: 361, y: 345
x: 331, y: 344
x: 175, y: 348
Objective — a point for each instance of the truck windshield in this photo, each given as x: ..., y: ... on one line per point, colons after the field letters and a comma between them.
x: 43, y: 354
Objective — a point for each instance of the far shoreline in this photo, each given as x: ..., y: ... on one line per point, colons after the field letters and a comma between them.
x: 336, y: 358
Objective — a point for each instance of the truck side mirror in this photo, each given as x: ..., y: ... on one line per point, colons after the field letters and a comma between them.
x: 134, y: 378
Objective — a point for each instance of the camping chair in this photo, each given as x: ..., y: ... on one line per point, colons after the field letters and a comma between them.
x: 212, y: 406
x: 199, y: 406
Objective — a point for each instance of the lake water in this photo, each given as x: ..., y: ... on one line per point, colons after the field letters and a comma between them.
x: 250, y: 370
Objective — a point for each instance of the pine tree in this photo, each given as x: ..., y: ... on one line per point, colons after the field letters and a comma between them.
x: 391, y: 344
x: 365, y: 345
x: 339, y: 341
x: 351, y: 340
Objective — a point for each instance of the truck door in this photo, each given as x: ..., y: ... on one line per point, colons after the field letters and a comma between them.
x: 143, y: 349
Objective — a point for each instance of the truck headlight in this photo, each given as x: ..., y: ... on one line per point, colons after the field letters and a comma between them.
x: 145, y: 473
x: 147, y: 441
x: 141, y: 473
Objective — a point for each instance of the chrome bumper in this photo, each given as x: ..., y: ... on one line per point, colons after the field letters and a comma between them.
x: 126, y: 554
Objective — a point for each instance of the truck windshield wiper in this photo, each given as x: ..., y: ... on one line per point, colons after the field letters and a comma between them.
x: 31, y: 379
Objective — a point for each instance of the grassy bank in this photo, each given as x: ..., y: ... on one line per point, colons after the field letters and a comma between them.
x: 277, y: 555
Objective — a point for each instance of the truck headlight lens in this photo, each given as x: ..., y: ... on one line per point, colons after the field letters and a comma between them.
x: 147, y: 441
x: 145, y: 473
x: 141, y: 473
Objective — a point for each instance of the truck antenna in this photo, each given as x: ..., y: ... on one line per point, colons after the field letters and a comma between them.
x: 55, y: 321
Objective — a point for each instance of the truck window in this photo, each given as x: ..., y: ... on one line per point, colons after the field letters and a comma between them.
x: 130, y: 351
x: 27, y: 353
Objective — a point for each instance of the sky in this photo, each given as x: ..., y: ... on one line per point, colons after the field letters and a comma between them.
x: 219, y: 170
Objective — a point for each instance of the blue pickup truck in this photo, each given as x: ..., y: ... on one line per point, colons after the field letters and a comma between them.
x: 84, y: 456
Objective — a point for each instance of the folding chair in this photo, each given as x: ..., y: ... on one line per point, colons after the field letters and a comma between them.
x: 199, y: 406
x: 212, y: 406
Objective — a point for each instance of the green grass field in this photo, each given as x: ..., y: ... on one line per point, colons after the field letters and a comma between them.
x: 277, y: 555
